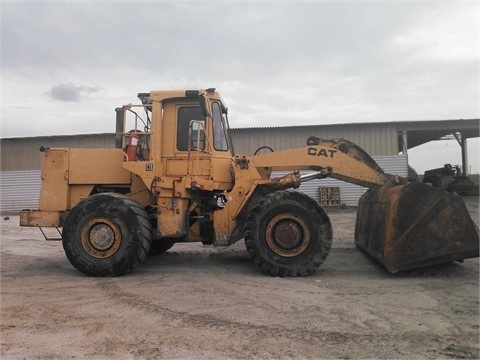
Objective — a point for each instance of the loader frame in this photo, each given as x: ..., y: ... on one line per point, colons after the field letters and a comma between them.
x: 175, y: 167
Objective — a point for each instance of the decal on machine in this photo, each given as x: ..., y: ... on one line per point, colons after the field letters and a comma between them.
x: 321, y: 152
x: 149, y: 167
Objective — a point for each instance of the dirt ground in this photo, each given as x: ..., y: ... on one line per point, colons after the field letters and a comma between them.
x: 199, y: 302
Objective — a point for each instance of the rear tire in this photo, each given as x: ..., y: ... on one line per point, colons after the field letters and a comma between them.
x: 288, y: 234
x: 106, y: 234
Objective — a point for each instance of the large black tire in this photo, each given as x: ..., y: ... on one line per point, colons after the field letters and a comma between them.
x: 106, y: 234
x: 288, y: 234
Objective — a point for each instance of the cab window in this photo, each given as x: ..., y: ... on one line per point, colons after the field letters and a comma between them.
x: 185, y: 116
x: 219, y: 128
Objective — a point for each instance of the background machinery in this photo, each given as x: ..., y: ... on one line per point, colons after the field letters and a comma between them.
x: 174, y: 177
x: 451, y: 178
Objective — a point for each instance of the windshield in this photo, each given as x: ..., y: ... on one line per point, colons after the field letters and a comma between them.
x: 221, y: 135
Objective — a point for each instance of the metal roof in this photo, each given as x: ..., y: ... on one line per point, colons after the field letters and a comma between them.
x: 419, y: 132
x: 470, y: 126
x: 404, y: 123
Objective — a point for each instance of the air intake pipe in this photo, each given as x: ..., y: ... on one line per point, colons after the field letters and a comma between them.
x: 119, y: 127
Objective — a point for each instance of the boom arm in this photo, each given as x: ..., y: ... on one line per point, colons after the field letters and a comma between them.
x: 337, y: 158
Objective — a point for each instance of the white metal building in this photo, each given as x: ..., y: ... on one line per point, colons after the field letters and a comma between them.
x: 387, y: 143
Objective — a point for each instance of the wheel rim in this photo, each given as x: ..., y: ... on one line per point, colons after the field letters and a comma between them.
x: 287, y: 235
x: 101, y: 237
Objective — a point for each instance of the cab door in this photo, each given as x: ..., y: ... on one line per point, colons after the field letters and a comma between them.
x: 222, y: 159
x: 186, y: 152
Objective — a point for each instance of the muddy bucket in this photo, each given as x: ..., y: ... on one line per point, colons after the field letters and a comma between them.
x: 414, y: 225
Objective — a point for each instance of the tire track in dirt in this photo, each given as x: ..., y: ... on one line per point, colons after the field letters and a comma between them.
x: 332, y: 341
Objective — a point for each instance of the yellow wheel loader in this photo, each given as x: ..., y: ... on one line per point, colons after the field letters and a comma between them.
x: 173, y: 177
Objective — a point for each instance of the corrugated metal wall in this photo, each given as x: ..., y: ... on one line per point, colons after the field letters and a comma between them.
x: 20, y: 189
x: 23, y: 154
x: 20, y: 161
x: 375, y: 139
x: 350, y: 193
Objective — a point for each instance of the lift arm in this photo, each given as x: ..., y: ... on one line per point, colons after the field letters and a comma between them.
x: 337, y: 158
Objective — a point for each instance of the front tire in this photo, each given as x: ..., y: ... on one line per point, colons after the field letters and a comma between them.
x: 106, y: 234
x: 288, y: 234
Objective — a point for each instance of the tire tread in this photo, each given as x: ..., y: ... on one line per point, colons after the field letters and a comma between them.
x: 269, y: 265
x: 137, y: 248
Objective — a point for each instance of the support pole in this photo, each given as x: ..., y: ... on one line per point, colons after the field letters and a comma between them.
x: 462, y: 141
x: 404, y: 143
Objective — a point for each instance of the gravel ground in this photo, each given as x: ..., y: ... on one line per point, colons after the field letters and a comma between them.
x: 200, y: 302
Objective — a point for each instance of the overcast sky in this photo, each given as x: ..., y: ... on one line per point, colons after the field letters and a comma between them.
x: 67, y: 65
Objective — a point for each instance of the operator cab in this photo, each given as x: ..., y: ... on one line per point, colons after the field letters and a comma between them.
x: 186, y: 131
x: 201, y: 116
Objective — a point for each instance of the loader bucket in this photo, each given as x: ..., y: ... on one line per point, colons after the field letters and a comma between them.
x: 414, y: 225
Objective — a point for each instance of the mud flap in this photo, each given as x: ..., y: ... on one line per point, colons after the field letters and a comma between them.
x: 414, y: 225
